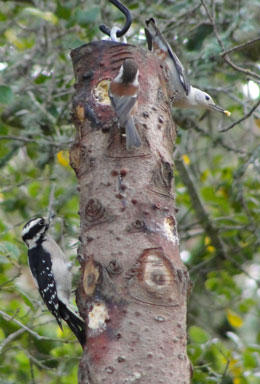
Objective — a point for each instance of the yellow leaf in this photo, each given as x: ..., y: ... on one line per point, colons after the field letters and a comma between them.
x: 204, y: 175
x: 237, y: 380
x: 207, y: 240
x: 222, y: 192
x: 235, y: 369
x: 63, y: 158
x: 11, y: 36
x: 186, y: 159
x: 257, y: 121
x: 59, y: 332
x: 2, y: 335
x: 63, y: 333
x: 243, y: 244
x: 47, y: 16
x: 234, y: 319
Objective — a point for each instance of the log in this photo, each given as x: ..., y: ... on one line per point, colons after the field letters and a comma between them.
x: 133, y: 289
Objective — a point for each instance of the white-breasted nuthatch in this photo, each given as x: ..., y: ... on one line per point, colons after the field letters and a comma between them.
x: 182, y: 94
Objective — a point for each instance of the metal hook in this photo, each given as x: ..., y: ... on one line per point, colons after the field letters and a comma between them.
x: 128, y: 20
x: 113, y: 34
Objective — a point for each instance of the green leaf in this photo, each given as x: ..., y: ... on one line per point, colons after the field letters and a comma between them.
x: 249, y: 360
x: 9, y: 249
x: 41, y: 78
x: 6, y: 94
x: 212, y: 284
x: 27, y: 300
x: 85, y: 17
x: 9, y: 155
x: 198, y: 335
x: 195, y: 351
x: 3, y: 17
x: 34, y: 189
x: 71, y: 42
x: 246, y: 305
x: 197, y: 38
x: 63, y: 11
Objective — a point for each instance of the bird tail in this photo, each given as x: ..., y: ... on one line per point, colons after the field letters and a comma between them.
x: 132, y: 136
x: 74, y: 322
x: 155, y: 39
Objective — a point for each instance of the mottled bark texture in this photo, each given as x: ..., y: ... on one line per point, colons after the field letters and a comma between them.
x: 134, y: 285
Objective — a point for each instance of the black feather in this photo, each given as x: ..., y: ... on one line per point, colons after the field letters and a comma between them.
x: 76, y: 325
x: 41, y: 267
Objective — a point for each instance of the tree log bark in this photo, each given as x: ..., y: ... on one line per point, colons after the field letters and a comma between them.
x: 134, y: 286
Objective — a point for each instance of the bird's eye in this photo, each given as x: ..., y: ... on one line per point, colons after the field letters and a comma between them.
x: 207, y: 97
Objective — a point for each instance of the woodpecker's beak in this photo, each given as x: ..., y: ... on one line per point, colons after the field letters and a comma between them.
x: 49, y: 219
x: 216, y: 107
x: 46, y: 223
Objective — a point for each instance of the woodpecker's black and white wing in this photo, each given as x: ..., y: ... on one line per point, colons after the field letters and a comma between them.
x: 158, y: 43
x: 51, y: 273
x: 41, y: 268
x: 74, y: 322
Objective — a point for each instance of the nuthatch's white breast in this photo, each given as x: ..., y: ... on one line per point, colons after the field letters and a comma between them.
x: 181, y: 93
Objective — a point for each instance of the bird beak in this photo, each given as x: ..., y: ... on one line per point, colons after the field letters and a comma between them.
x: 47, y: 222
x: 216, y: 107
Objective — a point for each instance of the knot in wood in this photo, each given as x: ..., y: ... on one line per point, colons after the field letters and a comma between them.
x: 162, y: 175
x: 114, y: 268
x: 138, y: 226
x: 166, y: 173
x: 91, y: 276
x: 94, y: 210
x: 87, y: 162
x: 158, y: 277
x: 156, y: 273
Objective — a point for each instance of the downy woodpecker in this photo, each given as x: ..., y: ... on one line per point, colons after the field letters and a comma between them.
x: 52, y: 275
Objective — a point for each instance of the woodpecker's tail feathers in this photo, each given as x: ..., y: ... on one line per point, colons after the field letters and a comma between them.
x: 58, y: 319
x: 76, y: 325
x: 132, y: 136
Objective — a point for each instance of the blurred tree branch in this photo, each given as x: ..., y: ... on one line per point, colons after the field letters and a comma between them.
x: 201, y: 213
x: 212, y: 19
x: 246, y: 116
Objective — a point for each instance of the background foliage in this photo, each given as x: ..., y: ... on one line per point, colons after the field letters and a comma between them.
x: 219, y: 237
